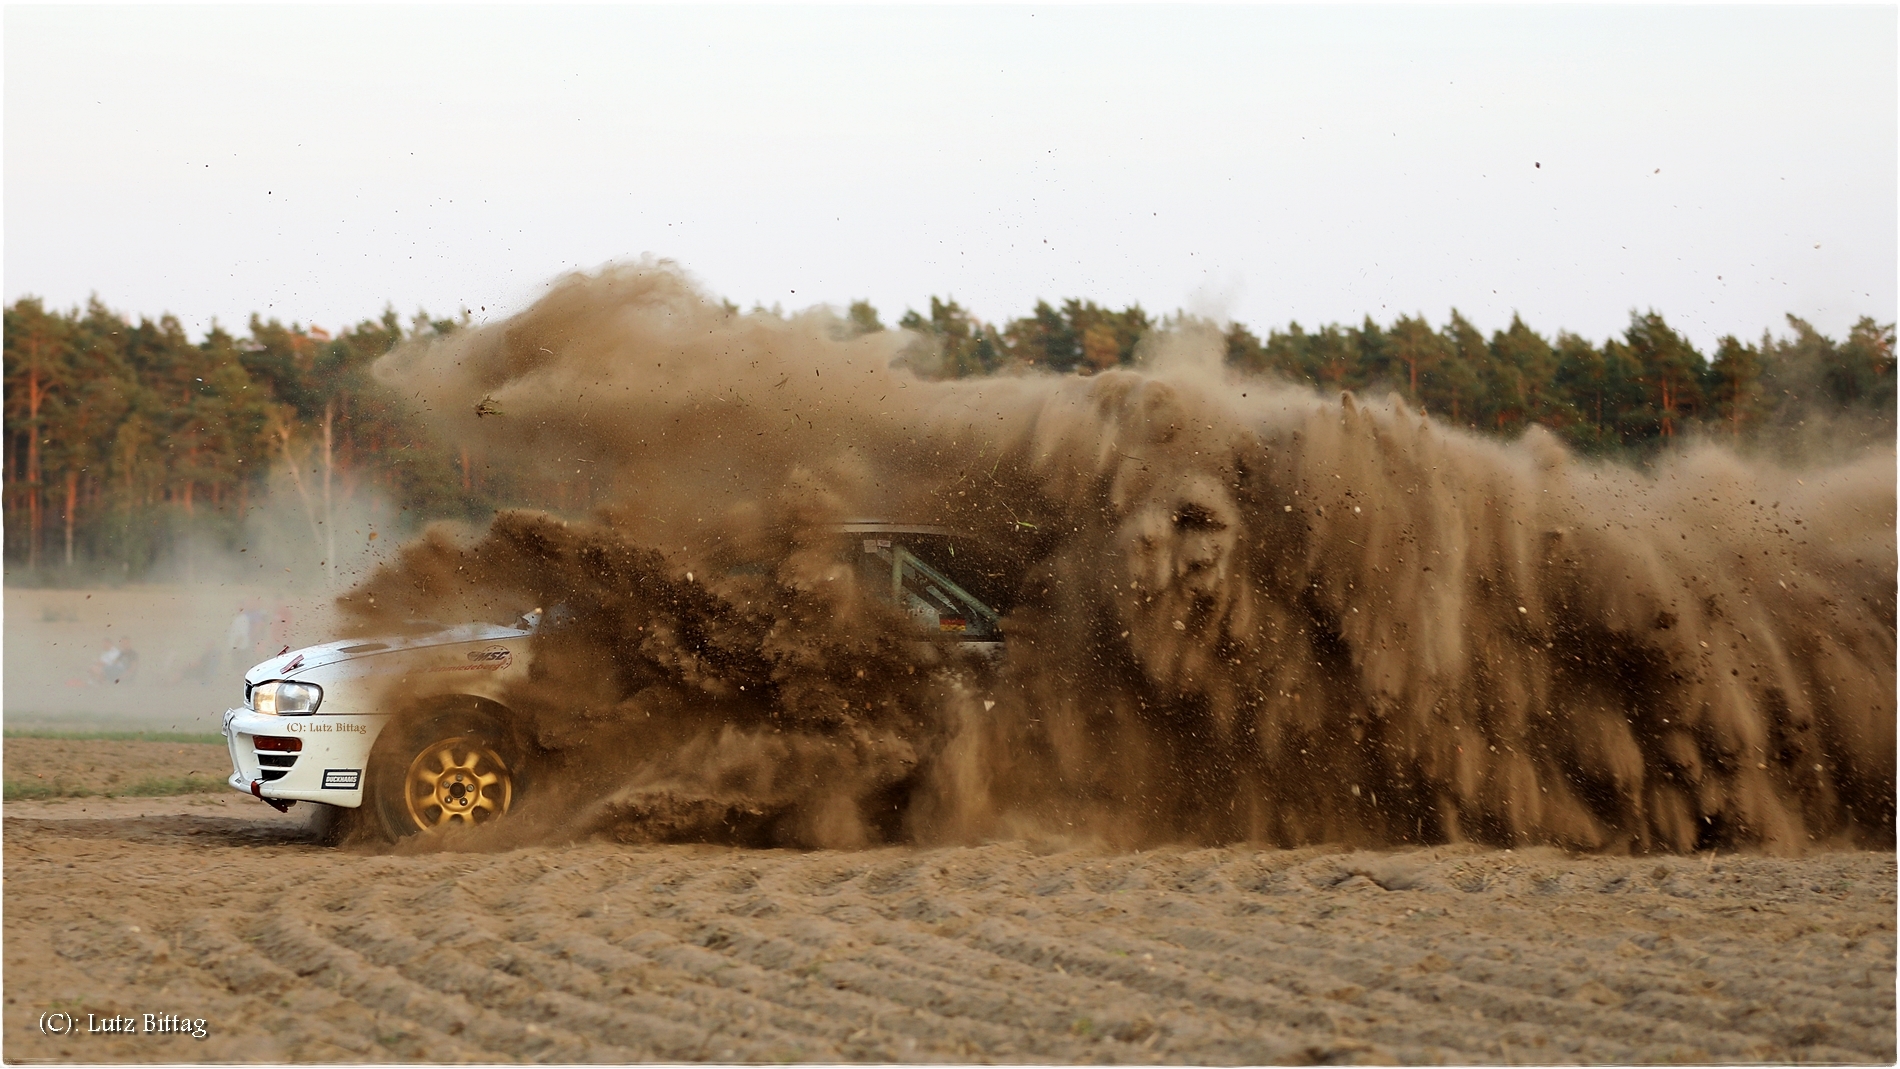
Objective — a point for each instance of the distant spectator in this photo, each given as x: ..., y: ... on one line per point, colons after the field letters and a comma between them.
x: 246, y: 631
x: 118, y: 664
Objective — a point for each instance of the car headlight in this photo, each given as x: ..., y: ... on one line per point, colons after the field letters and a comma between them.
x: 282, y: 697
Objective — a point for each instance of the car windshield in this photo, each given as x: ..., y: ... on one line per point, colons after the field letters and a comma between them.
x: 914, y: 573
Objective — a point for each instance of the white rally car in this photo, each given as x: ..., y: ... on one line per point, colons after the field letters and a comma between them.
x: 316, y: 723
x: 311, y: 728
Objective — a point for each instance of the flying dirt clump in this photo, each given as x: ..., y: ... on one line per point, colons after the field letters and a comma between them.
x: 760, y: 698
x: 1234, y: 611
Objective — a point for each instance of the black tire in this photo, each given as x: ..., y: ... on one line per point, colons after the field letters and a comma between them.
x: 458, y: 766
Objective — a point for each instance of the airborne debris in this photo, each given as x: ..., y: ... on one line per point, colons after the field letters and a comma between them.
x: 487, y: 407
x: 1319, y: 653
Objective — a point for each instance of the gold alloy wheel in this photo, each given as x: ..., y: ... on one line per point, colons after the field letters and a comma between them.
x: 457, y: 780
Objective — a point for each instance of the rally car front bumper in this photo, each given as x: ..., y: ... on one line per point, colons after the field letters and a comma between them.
x: 300, y: 758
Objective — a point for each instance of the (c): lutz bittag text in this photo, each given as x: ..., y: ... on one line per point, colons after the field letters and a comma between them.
x: 159, y: 1024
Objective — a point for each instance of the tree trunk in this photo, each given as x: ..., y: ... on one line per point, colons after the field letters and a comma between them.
x: 72, y: 507
x: 33, y: 525
x: 329, y: 512
x: 34, y: 395
x: 294, y: 464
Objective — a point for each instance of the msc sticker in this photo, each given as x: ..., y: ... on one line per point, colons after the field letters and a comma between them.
x: 342, y: 779
x: 492, y: 659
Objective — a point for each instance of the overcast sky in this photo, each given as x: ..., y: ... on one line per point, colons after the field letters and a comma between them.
x: 1721, y: 165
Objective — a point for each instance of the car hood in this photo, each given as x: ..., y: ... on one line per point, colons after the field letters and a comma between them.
x: 294, y: 663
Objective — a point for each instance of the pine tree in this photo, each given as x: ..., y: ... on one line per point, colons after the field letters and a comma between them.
x: 1671, y: 369
x: 1863, y: 371
x: 1419, y: 349
x: 38, y: 355
x: 1736, y: 385
x: 1526, y: 378
x: 862, y: 319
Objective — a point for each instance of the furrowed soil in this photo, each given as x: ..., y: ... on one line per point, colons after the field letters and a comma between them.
x: 215, y: 907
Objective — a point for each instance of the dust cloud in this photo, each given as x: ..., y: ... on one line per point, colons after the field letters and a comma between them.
x: 166, y: 651
x: 1234, y: 611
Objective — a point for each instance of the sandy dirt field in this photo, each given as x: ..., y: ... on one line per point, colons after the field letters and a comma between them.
x: 81, y: 766
x: 216, y: 908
